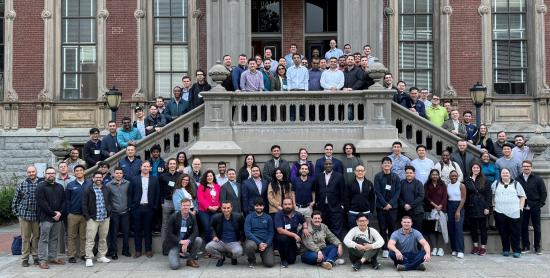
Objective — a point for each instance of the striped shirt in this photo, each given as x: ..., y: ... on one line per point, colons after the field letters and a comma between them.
x: 507, y: 198
x: 24, y: 200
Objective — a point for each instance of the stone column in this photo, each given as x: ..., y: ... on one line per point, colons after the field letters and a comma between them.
x: 228, y: 28
x: 10, y: 15
x: 361, y: 22
x: 442, y: 49
x: 141, y: 16
x: 391, y: 12
x: 537, y: 59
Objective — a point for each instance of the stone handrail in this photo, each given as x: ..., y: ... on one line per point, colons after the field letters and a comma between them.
x: 417, y: 130
x: 175, y: 136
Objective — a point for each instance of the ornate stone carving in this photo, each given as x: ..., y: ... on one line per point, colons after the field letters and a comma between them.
x: 12, y: 96
x: 44, y: 96
x: 46, y: 14
x: 388, y: 11
x: 483, y: 9
x: 139, y: 14
x: 197, y: 13
x: 11, y: 15
x: 103, y: 14
x: 542, y: 9
x: 138, y: 95
x: 450, y: 93
x: 447, y: 10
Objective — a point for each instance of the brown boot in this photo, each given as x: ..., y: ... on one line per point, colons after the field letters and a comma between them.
x: 137, y: 255
x: 149, y: 254
x: 43, y: 265
x: 57, y: 261
x: 192, y: 263
x: 25, y: 263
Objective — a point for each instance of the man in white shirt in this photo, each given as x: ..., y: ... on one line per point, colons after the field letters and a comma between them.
x: 333, y: 78
x: 521, y: 151
x: 422, y: 164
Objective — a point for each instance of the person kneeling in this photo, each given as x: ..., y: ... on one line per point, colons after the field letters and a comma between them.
x: 403, y: 246
x: 286, y: 224
x: 323, y: 247
x: 258, y: 228
x: 227, y: 233
x: 364, y: 243
x: 182, y: 237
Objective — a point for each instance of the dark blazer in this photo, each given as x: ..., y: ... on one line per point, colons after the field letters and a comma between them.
x: 336, y: 165
x: 49, y: 198
x: 158, y: 121
x: 174, y: 227
x: 535, y: 190
x: 195, y: 99
x: 417, y: 205
x: 250, y: 193
x: 242, y: 175
x: 269, y: 169
x: 334, y: 191
x: 109, y: 144
x: 237, y: 220
x: 228, y: 194
x: 465, y: 165
x: 380, y: 182
x: 449, y: 126
x: 89, y: 207
x: 153, y: 193
x: 418, y: 106
x: 360, y: 201
x: 478, y: 197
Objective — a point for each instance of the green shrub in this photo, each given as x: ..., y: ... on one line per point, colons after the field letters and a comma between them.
x: 7, y: 191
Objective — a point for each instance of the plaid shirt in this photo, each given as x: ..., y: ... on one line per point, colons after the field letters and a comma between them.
x: 100, y: 204
x: 24, y: 200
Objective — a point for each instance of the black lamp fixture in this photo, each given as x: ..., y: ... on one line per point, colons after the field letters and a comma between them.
x: 114, y: 97
x: 478, y: 92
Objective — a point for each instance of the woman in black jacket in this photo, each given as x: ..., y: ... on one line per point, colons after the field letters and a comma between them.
x: 478, y: 202
x: 245, y: 171
x: 483, y: 141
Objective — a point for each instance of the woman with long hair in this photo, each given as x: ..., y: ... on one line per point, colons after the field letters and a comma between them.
x: 303, y: 158
x: 456, y: 191
x: 277, y: 190
x: 435, y: 206
x: 184, y: 188
x: 478, y: 204
x: 246, y: 171
x: 279, y: 81
x: 208, y: 201
x: 482, y: 139
x: 183, y: 164
x: 509, y: 199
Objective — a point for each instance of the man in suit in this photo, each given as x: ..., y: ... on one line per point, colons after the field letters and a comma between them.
x: 231, y: 191
x: 275, y: 162
x: 253, y: 188
x: 329, y: 197
x: 144, y: 200
x: 336, y: 164
x: 463, y: 158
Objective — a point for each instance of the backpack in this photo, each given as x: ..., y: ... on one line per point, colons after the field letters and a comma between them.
x: 16, y: 245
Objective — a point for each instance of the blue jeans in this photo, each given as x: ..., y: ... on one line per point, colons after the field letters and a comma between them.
x: 410, y: 260
x: 456, y: 232
x: 330, y: 253
x: 204, y: 220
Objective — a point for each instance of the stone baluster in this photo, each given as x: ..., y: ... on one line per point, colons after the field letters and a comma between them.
x: 541, y: 162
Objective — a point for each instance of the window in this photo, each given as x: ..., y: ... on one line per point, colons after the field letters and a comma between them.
x: 509, y: 46
x: 321, y: 16
x: 170, y: 44
x: 416, y: 42
x: 266, y: 16
x: 2, y: 49
x: 78, y: 50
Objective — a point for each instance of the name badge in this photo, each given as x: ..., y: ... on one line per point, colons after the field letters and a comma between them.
x: 287, y: 226
x: 349, y: 170
x: 213, y: 193
x: 171, y: 183
x: 183, y: 230
x: 388, y: 186
x: 97, y: 151
x: 160, y: 169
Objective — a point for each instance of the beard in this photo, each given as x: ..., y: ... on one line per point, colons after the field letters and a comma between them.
x: 287, y: 210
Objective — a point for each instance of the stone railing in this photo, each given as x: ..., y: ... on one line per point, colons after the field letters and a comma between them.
x: 417, y: 130
x: 175, y: 136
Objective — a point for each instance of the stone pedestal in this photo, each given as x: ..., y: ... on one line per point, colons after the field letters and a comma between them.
x: 541, y: 163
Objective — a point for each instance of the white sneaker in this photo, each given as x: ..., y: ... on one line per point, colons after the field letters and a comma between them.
x: 340, y: 261
x: 440, y: 252
x: 460, y: 255
x: 454, y: 253
x: 89, y: 263
x: 385, y: 254
x: 103, y: 260
x: 434, y: 252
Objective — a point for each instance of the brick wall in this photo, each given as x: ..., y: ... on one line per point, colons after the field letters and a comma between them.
x: 465, y: 53
x: 293, y: 25
x: 122, y: 59
x: 28, y: 57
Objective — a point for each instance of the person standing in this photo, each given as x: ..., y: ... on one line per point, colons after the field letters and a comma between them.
x: 329, y: 196
x: 144, y: 197
x: 167, y: 181
x: 120, y: 215
x: 336, y: 163
x: 521, y: 151
x: 252, y: 80
x: 177, y: 105
x: 195, y: 97
x: 435, y: 205
x: 388, y: 190
x: 297, y: 75
x: 76, y: 222
x: 25, y: 208
x: 304, y: 191
x: 303, y: 158
x: 254, y: 187
x: 535, y: 190
x: 456, y: 191
x: 227, y: 234
x: 258, y: 229
x: 463, y: 158
x: 232, y: 192
x: 221, y: 177
x: 278, y: 189
x: 131, y: 165
x: 399, y: 160
x: 423, y: 165
x: 109, y: 144
x: 509, y: 162
x: 96, y: 209
x: 127, y: 134
x: 349, y: 163
x: 363, y: 243
x: 275, y: 162
x: 92, y: 149
x: 50, y: 202
x: 478, y: 204
x: 182, y: 238
x: 412, y: 198
x: 359, y: 197
x: 208, y: 200
x: 509, y: 199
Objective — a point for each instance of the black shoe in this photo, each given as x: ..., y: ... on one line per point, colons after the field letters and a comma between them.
x: 220, y: 262
x: 83, y: 258
x: 356, y: 266
x: 284, y: 264
x: 234, y: 261
x: 376, y: 266
x: 72, y: 260
x: 421, y: 267
x: 25, y: 263
x: 35, y: 261
x: 114, y: 257
x: 126, y: 254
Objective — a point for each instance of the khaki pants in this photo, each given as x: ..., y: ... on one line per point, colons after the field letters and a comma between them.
x: 92, y: 228
x: 76, y: 226
x: 29, y: 236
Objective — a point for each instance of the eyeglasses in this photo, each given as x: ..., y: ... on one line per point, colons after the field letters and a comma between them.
x: 50, y: 173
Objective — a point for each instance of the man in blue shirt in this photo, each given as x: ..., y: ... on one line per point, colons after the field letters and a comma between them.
x: 127, y: 134
x: 237, y: 71
x: 333, y: 52
x: 399, y: 160
x: 403, y: 247
x: 258, y: 228
x: 297, y: 75
x: 76, y: 224
x: 227, y: 233
x: 157, y: 163
x: 286, y: 223
x: 411, y: 198
x: 336, y: 164
x: 315, y: 76
x: 304, y: 192
x: 130, y: 164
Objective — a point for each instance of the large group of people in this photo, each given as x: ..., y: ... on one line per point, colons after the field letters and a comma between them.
x: 306, y: 208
